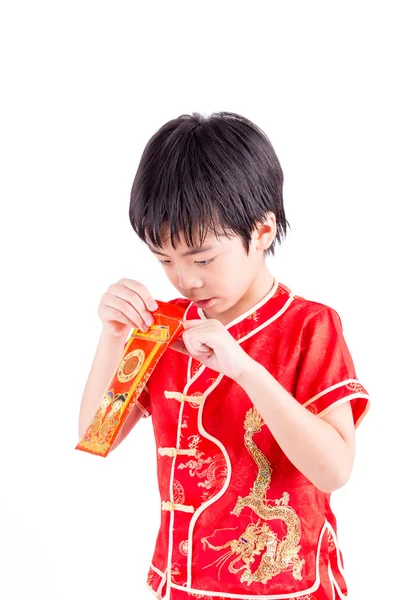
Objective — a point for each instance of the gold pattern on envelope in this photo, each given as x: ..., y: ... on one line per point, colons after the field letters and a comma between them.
x: 156, y: 333
x: 130, y: 365
x: 277, y: 555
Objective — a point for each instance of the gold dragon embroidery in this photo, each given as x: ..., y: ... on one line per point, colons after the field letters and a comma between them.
x: 277, y: 555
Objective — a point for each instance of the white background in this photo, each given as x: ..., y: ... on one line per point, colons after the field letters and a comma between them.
x: 84, y: 86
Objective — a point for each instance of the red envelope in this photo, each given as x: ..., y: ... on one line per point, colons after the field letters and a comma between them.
x: 140, y: 356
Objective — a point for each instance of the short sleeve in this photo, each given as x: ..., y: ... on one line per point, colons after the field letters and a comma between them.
x: 326, y: 373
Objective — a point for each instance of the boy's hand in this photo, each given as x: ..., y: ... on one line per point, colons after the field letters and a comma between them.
x: 212, y: 344
x: 126, y: 304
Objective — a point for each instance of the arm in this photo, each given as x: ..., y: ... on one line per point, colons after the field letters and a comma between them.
x: 134, y: 416
x: 322, y: 448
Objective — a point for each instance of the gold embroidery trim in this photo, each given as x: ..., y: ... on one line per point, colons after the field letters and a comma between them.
x: 172, y: 506
x: 278, y: 554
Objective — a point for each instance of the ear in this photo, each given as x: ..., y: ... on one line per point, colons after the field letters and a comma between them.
x: 265, y: 232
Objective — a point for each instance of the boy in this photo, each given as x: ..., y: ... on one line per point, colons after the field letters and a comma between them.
x: 254, y: 409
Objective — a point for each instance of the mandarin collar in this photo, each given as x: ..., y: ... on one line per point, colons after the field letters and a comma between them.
x: 248, y: 321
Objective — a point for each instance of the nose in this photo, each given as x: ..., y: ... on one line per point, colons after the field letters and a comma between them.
x: 188, y: 281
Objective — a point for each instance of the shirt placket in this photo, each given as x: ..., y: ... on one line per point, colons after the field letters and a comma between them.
x: 181, y: 511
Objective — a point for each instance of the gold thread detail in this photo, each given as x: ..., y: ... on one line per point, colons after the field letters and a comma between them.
x: 277, y: 555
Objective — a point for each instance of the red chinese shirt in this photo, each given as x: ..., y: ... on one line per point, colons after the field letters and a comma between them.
x: 238, y: 519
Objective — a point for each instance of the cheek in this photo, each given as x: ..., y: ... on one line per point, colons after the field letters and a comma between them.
x: 236, y: 277
x: 232, y: 271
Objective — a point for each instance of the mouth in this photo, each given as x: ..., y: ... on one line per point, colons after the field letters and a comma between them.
x: 204, y: 303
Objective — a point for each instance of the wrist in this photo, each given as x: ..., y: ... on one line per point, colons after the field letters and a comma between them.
x: 111, y: 338
x: 250, y: 366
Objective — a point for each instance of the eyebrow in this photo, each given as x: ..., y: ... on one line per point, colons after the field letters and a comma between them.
x: 187, y: 253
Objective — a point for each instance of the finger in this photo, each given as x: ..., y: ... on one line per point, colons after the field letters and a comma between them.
x: 113, y: 314
x: 199, y: 340
x: 196, y: 348
x: 192, y: 323
x: 126, y: 308
x: 143, y: 301
x: 179, y: 346
x: 142, y: 291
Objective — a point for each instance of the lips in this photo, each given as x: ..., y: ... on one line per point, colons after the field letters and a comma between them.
x: 204, y: 303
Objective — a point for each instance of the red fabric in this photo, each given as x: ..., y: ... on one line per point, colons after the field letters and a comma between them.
x: 280, y: 540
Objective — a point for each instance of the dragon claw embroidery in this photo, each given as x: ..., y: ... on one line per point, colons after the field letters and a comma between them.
x: 277, y: 555
x: 211, y: 469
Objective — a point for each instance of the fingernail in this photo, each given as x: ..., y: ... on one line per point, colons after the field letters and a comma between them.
x: 154, y: 306
x: 149, y: 321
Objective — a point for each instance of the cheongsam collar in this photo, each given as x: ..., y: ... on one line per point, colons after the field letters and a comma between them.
x: 248, y: 322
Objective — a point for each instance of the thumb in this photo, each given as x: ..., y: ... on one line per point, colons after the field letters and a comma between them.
x: 179, y: 346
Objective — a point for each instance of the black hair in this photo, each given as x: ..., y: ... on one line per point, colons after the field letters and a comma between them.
x: 200, y: 174
x: 120, y: 397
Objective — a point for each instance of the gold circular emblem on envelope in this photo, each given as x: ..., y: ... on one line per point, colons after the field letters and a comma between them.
x: 130, y: 365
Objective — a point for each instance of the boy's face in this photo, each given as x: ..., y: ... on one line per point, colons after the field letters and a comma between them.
x: 221, y: 270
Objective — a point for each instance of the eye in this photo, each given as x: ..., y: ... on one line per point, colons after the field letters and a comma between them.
x: 201, y: 263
